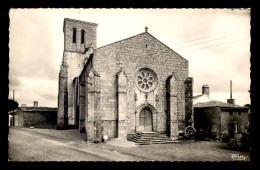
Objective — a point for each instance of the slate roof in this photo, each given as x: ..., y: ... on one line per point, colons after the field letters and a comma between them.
x: 38, y: 109
x: 216, y: 104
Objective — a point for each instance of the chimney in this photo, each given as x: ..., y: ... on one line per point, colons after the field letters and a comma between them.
x: 205, y: 89
x: 231, y: 101
x: 35, y: 103
x: 23, y: 105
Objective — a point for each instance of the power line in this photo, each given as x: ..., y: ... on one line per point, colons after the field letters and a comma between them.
x: 217, y: 77
x: 207, y: 36
x: 206, y: 29
x: 194, y: 32
x: 203, y: 42
x: 200, y: 38
x: 214, y: 45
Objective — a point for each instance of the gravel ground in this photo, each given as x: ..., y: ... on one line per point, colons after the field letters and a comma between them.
x: 121, y: 143
x: 189, y: 150
x: 29, y: 145
x: 75, y: 135
x: 71, y: 134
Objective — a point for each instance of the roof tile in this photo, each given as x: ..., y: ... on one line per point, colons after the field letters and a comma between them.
x: 216, y: 104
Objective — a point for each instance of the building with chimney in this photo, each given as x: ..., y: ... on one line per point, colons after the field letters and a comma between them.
x: 218, y: 119
x: 34, y: 116
x: 134, y: 85
x: 204, y: 97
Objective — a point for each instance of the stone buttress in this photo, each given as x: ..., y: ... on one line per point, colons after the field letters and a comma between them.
x: 122, y: 104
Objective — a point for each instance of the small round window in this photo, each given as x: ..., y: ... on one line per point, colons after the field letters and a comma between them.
x: 146, y: 80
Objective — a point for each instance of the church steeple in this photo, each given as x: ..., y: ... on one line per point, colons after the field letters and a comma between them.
x: 78, y: 35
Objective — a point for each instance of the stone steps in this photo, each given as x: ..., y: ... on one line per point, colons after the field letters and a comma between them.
x: 150, y: 143
x: 151, y: 138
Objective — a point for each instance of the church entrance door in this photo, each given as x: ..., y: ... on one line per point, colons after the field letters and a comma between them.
x: 145, y: 120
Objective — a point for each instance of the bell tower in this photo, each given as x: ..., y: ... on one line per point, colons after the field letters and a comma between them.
x: 79, y: 37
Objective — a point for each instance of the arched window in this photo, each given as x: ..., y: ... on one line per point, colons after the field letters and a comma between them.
x: 74, y: 35
x: 82, y: 36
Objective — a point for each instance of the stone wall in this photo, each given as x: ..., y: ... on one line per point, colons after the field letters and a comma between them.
x: 19, y: 115
x: 90, y: 35
x: 38, y: 119
x: 74, y: 59
x: 75, y: 64
x: 63, y: 97
x: 189, y: 101
x: 130, y: 55
x: 239, y: 119
x: 208, y: 119
x: 216, y: 120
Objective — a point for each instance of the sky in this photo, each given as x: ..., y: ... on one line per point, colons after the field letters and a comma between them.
x: 216, y: 42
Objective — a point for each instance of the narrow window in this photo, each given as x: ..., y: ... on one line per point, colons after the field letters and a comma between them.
x: 74, y: 35
x: 230, y: 113
x: 82, y: 36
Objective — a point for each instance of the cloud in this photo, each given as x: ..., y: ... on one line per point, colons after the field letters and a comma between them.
x: 36, y: 45
x: 31, y: 47
x: 14, y: 81
x: 42, y: 90
x: 240, y: 98
x: 49, y: 96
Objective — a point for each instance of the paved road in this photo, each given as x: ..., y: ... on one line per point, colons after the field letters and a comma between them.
x: 26, y: 145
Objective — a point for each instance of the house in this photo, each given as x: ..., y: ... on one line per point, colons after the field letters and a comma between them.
x: 220, y: 120
x: 134, y: 85
x: 38, y: 117
x: 11, y: 118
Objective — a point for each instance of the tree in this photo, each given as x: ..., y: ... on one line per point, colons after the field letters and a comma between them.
x: 12, y: 104
x: 248, y: 105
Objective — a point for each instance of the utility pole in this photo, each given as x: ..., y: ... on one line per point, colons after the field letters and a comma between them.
x: 230, y: 89
x: 13, y: 109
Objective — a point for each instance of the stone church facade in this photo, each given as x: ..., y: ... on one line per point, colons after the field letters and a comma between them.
x: 134, y: 85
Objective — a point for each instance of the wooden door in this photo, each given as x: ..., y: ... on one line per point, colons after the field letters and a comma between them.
x: 231, y: 128
x: 145, y: 120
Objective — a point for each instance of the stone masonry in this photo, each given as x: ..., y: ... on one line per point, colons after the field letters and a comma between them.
x: 74, y: 59
x: 119, y: 81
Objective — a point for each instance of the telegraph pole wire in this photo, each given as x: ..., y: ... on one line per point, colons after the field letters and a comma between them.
x: 214, y: 45
x: 208, y: 36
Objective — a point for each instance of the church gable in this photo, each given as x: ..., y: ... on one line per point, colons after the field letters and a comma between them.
x: 144, y: 41
x: 142, y: 50
x: 154, y: 45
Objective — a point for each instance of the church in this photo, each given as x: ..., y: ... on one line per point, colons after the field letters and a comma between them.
x: 134, y: 85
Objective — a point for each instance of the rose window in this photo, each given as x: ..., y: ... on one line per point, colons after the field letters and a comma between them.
x: 146, y: 80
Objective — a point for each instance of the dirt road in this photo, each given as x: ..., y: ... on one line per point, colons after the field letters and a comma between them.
x: 69, y: 145
x: 26, y: 145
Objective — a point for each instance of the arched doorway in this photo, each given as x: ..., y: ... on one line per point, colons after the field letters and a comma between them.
x: 145, y: 120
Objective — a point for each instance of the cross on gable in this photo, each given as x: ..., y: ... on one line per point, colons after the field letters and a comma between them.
x: 146, y: 29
